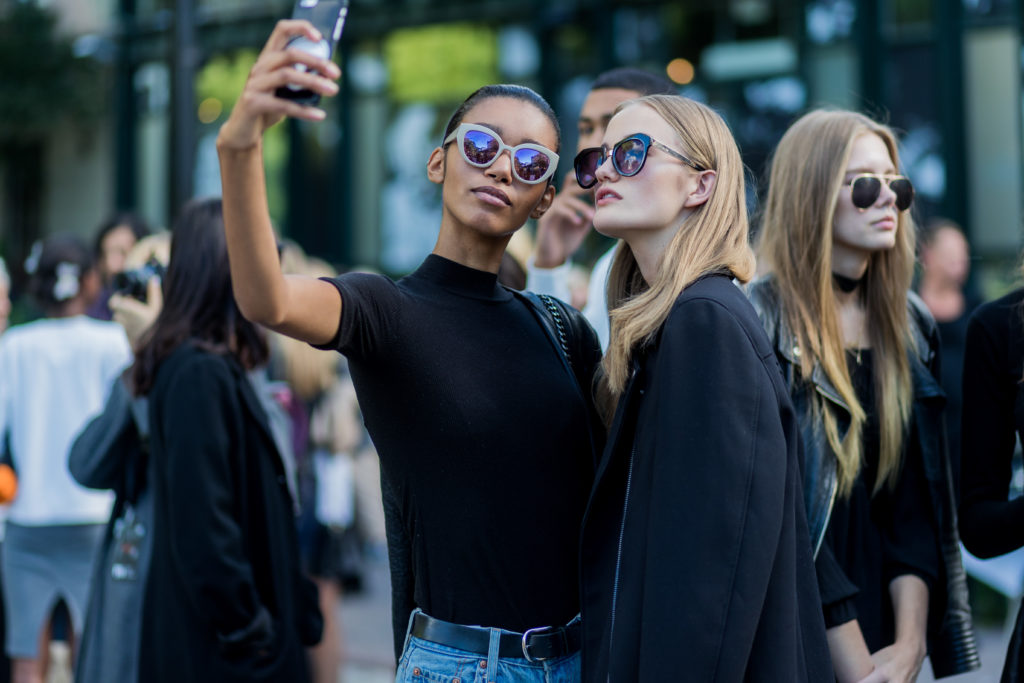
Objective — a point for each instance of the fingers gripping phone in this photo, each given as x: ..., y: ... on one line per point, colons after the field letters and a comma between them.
x: 328, y: 16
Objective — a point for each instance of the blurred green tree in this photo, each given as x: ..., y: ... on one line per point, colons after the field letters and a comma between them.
x: 42, y: 86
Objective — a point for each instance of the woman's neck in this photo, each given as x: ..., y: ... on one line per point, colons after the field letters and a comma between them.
x: 471, y: 249
x: 648, y: 249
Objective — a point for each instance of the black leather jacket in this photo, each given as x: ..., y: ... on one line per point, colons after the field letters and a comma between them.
x: 951, y: 644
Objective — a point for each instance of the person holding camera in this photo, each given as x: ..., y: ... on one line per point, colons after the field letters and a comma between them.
x: 55, y: 374
x: 482, y: 427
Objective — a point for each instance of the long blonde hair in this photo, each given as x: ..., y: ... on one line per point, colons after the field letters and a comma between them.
x: 795, y: 240
x: 712, y: 237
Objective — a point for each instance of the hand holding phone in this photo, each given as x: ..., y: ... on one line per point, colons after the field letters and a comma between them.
x: 328, y: 17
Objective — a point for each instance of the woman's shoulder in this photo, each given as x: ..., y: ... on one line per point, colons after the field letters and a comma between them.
x: 191, y: 365
x: 716, y: 302
x: 1000, y: 313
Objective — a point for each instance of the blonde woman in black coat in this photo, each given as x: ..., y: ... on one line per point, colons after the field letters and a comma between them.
x: 696, y: 563
x: 224, y: 599
x: 860, y: 355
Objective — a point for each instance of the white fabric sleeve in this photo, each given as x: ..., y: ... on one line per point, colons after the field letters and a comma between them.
x: 551, y: 281
x: 596, y: 310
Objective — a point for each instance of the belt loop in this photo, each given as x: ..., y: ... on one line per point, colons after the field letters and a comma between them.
x: 493, y: 650
x: 408, y: 630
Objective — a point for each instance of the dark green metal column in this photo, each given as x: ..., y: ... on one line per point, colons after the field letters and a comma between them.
x: 184, y: 60
x: 871, y: 49
x: 949, y: 59
x: 125, y: 112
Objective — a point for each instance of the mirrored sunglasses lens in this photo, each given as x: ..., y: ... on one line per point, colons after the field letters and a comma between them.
x: 531, y: 164
x: 629, y: 156
x: 479, y: 147
x: 904, y: 191
x: 865, y: 191
x: 586, y: 166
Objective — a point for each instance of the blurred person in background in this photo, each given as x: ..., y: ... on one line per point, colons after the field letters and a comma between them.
x: 111, y: 453
x: 5, y: 312
x: 56, y: 373
x: 945, y: 267
x: 326, y: 431
x: 225, y: 599
x: 561, y: 230
x: 991, y: 522
x: 5, y: 296
x: 114, y: 239
x: 861, y: 353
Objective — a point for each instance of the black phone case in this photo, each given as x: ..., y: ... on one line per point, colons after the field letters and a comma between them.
x: 328, y: 16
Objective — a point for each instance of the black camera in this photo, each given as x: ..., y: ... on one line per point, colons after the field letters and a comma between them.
x: 134, y: 282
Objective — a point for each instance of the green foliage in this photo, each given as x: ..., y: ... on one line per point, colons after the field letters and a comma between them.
x: 440, y: 63
x: 41, y: 83
x: 223, y: 77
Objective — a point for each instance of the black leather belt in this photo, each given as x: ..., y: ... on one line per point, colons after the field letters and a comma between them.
x: 535, y: 645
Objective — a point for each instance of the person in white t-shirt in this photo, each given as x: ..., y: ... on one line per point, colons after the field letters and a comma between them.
x: 55, y: 374
x: 561, y: 230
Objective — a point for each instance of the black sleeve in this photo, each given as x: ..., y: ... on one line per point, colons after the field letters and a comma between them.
x: 369, y: 304
x: 97, y: 459
x: 911, y: 543
x: 838, y: 593
x: 990, y: 525
x: 719, y: 484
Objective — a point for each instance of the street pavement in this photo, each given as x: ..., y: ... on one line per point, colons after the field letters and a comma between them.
x: 367, y: 622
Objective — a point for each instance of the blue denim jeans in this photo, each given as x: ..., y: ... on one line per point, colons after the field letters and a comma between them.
x: 423, y: 661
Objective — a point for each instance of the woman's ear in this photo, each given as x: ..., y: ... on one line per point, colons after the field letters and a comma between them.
x: 435, y: 166
x: 545, y: 202
x: 700, y: 194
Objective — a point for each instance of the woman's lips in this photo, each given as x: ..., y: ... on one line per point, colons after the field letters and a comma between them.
x: 492, y: 195
x: 605, y: 196
x: 887, y: 223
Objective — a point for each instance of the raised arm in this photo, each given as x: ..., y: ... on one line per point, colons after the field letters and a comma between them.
x: 298, y: 306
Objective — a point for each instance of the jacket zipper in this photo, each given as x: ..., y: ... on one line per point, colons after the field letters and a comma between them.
x: 622, y: 533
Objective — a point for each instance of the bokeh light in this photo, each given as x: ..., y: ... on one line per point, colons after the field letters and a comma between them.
x: 680, y: 70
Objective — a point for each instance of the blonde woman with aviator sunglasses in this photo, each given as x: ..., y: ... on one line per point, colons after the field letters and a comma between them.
x: 860, y: 354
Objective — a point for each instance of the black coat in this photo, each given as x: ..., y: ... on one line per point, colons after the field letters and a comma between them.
x: 225, y: 599
x: 695, y: 534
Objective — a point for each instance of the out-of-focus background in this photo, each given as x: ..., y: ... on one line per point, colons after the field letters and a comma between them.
x: 110, y: 104
x: 116, y: 104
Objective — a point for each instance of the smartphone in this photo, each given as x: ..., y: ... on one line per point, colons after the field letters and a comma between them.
x: 328, y: 16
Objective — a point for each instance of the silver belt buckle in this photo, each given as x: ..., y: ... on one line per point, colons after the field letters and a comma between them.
x: 526, y: 634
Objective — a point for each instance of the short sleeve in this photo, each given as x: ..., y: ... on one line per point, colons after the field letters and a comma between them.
x: 369, y: 308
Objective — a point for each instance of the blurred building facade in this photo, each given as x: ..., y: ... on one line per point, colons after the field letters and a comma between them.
x: 946, y: 73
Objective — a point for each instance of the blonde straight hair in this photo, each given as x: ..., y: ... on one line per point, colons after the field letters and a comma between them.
x: 795, y: 241
x: 714, y: 236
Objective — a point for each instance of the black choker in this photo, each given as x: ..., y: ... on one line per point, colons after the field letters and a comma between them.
x: 846, y: 284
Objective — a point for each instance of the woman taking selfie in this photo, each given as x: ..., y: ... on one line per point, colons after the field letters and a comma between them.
x: 860, y: 356
x: 482, y: 430
x: 695, y: 560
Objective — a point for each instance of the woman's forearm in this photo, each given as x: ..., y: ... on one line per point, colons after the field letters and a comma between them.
x: 851, y: 658
x: 259, y: 285
x: 909, y: 596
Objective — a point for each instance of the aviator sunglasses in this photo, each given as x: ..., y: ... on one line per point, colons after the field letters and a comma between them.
x: 628, y: 158
x: 480, y: 146
x: 865, y: 188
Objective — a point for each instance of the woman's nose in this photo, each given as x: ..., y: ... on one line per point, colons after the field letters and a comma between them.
x: 501, y: 169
